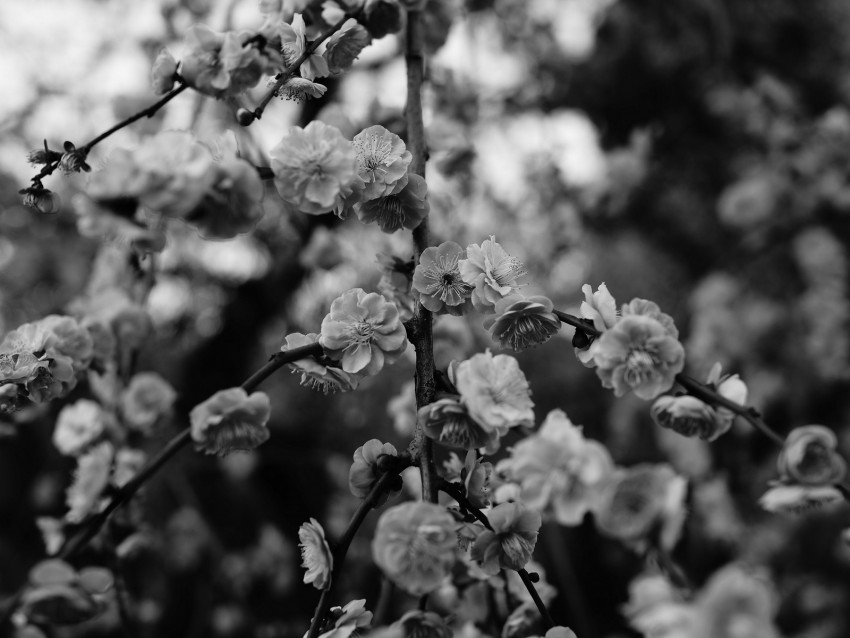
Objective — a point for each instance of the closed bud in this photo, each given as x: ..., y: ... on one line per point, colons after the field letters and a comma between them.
x: 245, y: 117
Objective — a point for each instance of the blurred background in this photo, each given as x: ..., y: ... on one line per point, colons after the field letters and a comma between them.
x: 692, y: 152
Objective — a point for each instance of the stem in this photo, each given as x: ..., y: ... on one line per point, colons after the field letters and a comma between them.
x: 295, y: 67
x: 278, y: 360
x: 457, y: 494
x: 577, y: 323
x: 341, y: 549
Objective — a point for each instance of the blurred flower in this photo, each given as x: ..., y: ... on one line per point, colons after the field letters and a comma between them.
x: 438, y: 281
x: 422, y: 624
x: 382, y: 17
x: 316, y: 556
x: 345, y: 45
x: 751, y: 201
x: 492, y: 272
x: 316, y: 374
x: 348, y: 619
x: 230, y: 420
x: 402, y: 409
x: 299, y: 90
x: 797, y: 499
x: 809, y: 457
x: 405, y: 209
x: 414, y: 545
x: 644, y: 504
x: 511, y: 541
x: 734, y: 603
x: 145, y: 400
x: 56, y: 594
x: 78, y: 425
x: 366, y: 470
x: 523, y: 323
x: 495, y: 391
x: 600, y: 308
x: 163, y: 72
x: 656, y: 610
x: 638, y: 354
x: 314, y: 168
x: 557, y: 466
x: 363, y: 331
x: 383, y: 159
x: 128, y: 462
x: 448, y: 422
x: 396, y: 283
x: 293, y: 44
x: 43, y: 200
x: 220, y: 64
x: 90, y: 479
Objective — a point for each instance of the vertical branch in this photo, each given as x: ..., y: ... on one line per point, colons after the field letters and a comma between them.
x: 421, y: 334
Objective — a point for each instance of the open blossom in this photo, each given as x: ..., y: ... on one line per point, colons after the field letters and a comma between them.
x: 646, y: 308
x: 365, y: 470
x: 163, y: 71
x: 145, y: 400
x: 293, y: 38
x: 641, y: 501
x: 638, y: 354
x: 78, y: 425
x: 230, y: 420
x: 404, y: 209
x: 492, y: 272
x: 557, y: 467
x: 345, y: 45
x: 523, y: 323
x: 414, y: 545
x: 300, y: 90
x: 314, y: 168
x: 322, y: 375
x: 438, y: 281
x: 447, y: 421
x: 474, y: 475
x: 348, y: 619
x: 90, y: 479
x: 809, y: 457
x: 495, y: 391
x: 510, y: 543
x: 600, y: 308
x: 316, y: 556
x: 363, y: 331
x: 382, y: 159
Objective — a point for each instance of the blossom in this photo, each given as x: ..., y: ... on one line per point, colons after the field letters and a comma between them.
x: 73, y: 160
x: 523, y: 323
x: 78, y: 425
x: 230, y: 420
x: 474, y: 475
x: 147, y: 398
x: 300, y: 90
x: 163, y: 72
x: 495, y: 391
x: 363, y: 331
x: 318, y: 373
x: 447, y: 421
x: 396, y: 283
x: 220, y: 64
x: 382, y: 159
x: 57, y: 594
x: 422, y: 624
x: 656, y: 610
x: 600, y: 308
x: 733, y: 603
x: 42, y: 199
x: 293, y: 38
x: 316, y: 556
x: 345, y: 45
x: 796, y: 499
x: 511, y: 541
x: 314, y: 168
x: 348, y: 619
x: 90, y: 479
x: 638, y: 354
x: 438, y: 281
x: 646, y: 308
x: 366, y: 469
x: 492, y: 272
x: 556, y: 466
x: 414, y: 545
x: 808, y: 457
x: 642, y: 501
x: 405, y: 209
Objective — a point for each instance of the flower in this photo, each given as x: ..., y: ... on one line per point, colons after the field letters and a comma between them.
x: 73, y: 160
x: 345, y: 45
x: 293, y: 44
x: 641, y: 502
x: 363, y: 331
x: 382, y: 159
x: 348, y: 619
x: 600, y: 308
x: 556, y: 466
x: 405, y: 209
x: 735, y: 603
x: 422, y: 624
x: 447, y: 421
x: 655, y: 608
x: 689, y: 416
x: 163, y: 72
x: 43, y: 200
x: 220, y: 64
x: 414, y: 545
x: 366, y: 469
x: 646, y: 308
x: 90, y: 479
x: 314, y: 168
x: 315, y: 373
x: 495, y: 391
x: 523, y: 323
x: 147, y: 398
x: 438, y: 281
x: 316, y: 556
x: 300, y: 90
x: 808, y: 457
x: 638, y: 354
x: 796, y: 499
x: 474, y: 475
x: 511, y: 541
x: 78, y: 425
x: 492, y: 272
x: 230, y: 420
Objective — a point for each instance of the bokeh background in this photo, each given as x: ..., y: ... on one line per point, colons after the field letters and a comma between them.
x: 692, y: 152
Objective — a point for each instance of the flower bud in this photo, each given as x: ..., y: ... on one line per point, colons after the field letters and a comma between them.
x: 162, y: 73
x: 382, y: 17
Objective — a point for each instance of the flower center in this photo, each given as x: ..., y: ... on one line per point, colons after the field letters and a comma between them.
x: 506, y: 271
x: 361, y: 332
x: 374, y: 151
x: 390, y: 214
x: 640, y: 366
